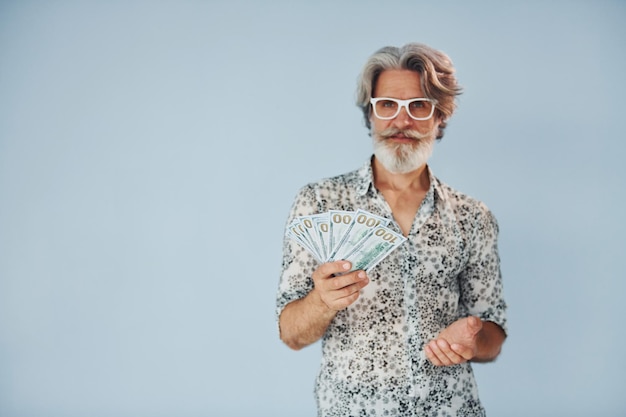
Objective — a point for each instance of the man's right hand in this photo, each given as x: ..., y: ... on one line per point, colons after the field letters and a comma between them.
x: 338, y: 291
x: 304, y: 321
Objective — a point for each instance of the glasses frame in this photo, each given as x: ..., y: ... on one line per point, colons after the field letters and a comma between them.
x: 403, y: 104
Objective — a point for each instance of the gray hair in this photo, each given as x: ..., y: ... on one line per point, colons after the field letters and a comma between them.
x: 436, y: 76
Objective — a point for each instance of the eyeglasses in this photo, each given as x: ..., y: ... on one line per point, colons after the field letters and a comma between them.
x: 386, y: 108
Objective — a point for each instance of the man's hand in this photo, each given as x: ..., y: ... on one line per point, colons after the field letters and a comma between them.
x: 456, y: 343
x: 304, y: 321
x: 338, y: 291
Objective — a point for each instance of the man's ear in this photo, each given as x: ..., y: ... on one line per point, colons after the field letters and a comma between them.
x: 441, y: 125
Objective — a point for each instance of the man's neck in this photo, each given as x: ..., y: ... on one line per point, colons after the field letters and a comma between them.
x: 416, y: 180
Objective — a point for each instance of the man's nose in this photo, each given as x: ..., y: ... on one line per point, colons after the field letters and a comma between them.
x: 403, y: 117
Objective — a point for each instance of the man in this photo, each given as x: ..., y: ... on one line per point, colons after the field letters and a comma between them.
x: 399, y: 340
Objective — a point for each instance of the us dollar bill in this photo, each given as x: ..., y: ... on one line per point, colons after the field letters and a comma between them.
x: 374, y: 248
x: 339, y: 221
x: 312, y: 236
x: 298, y: 233
x: 322, y: 226
x: 360, y: 227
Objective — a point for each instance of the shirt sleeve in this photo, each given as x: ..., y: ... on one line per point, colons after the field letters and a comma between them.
x: 298, y: 263
x: 481, y: 281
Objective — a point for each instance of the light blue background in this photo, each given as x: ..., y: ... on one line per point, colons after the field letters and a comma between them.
x: 149, y: 153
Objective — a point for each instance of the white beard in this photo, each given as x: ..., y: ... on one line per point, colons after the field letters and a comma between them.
x: 400, y: 158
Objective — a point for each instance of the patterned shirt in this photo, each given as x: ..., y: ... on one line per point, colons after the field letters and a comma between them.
x: 373, y: 360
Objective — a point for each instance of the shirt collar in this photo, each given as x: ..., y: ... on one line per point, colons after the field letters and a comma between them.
x: 365, y: 180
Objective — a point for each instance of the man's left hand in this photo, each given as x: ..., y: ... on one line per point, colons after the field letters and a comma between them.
x: 456, y: 343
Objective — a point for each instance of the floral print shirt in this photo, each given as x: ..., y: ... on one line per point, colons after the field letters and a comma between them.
x: 373, y: 361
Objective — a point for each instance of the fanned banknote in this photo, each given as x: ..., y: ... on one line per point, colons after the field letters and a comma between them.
x: 298, y: 233
x: 358, y: 236
x: 374, y: 248
x: 359, y: 228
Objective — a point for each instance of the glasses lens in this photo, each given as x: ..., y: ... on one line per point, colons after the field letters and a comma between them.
x: 386, y: 108
x: 421, y: 108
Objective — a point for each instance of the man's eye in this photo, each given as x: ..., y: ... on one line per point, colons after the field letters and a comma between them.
x: 419, y: 104
x: 388, y: 103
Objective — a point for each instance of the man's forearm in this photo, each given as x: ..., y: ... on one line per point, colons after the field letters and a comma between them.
x: 304, y: 321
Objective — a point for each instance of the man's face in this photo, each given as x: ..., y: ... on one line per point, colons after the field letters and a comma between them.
x: 402, y: 144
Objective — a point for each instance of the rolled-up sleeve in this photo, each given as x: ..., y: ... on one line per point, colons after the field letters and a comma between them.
x: 481, y: 281
x: 298, y: 263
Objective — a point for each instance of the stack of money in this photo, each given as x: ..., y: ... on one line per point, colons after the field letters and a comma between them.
x: 357, y: 236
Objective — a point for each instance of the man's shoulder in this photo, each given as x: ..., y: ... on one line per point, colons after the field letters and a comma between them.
x: 346, y: 180
x: 335, y: 192
x: 460, y: 202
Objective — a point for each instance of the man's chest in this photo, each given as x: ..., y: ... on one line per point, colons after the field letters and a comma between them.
x: 404, y: 206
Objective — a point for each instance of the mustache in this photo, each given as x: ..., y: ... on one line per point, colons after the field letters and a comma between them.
x: 408, y: 133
